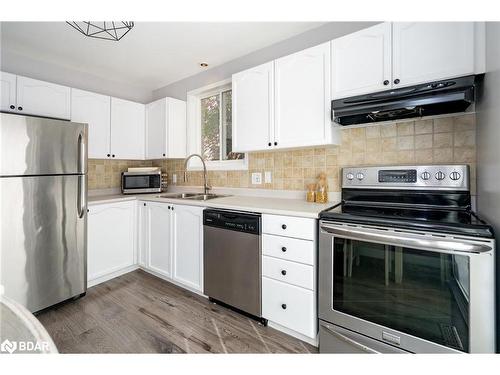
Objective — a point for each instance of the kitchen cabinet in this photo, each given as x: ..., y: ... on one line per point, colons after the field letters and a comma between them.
x: 429, y: 51
x: 8, y: 92
x: 166, y: 129
x: 95, y: 110
x: 111, y: 240
x: 302, y: 98
x: 155, y: 250
x: 127, y: 129
x: 253, y: 108
x: 361, y: 62
x: 29, y: 96
x: 171, y: 242
x: 399, y: 54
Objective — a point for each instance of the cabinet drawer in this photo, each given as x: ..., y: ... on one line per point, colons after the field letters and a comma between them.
x: 289, y: 226
x: 302, y: 251
x: 288, y: 272
x: 289, y: 306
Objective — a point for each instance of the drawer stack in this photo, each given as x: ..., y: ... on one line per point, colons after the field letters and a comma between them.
x: 289, y: 273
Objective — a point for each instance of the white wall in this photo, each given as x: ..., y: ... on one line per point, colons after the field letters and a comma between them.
x: 299, y: 42
x: 488, y: 143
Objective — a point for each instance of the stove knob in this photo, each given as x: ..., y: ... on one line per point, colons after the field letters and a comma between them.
x: 440, y: 176
x: 349, y: 176
x: 455, y: 176
x: 425, y: 175
x: 360, y: 176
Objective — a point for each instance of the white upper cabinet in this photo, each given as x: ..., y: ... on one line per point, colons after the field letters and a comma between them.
x: 41, y: 98
x: 176, y: 129
x: 361, y: 62
x: 427, y: 51
x: 127, y: 129
x: 95, y: 110
x: 7, y: 92
x: 187, y: 246
x: 155, y: 129
x: 253, y: 108
x: 302, y: 98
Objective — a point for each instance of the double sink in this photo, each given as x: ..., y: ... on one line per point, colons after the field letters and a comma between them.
x: 192, y: 196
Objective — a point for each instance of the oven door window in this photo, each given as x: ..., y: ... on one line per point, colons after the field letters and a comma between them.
x: 141, y: 182
x: 421, y: 293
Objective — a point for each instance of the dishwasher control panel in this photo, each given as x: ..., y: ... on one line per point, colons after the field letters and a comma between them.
x: 238, y: 221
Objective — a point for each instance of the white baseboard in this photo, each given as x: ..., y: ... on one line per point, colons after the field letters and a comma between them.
x: 297, y: 335
x: 112, y: 275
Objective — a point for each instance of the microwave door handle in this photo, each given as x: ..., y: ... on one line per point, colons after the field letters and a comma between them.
x: 395, y: 239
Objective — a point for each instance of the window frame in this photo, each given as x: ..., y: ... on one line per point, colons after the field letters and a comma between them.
x: 194, y: 129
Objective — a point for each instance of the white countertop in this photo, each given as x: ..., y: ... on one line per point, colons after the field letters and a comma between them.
x: 264, y: 205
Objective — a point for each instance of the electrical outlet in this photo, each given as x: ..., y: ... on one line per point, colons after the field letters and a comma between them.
x: 267, y: 177
x: 256, y: 178
x: 174, y: 179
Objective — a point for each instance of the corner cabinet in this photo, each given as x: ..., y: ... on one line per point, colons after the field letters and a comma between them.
x: 166, y: 129
x: 127, y: 129
x: 171, y: 243
x: 284, y: 103
x: 111, y: 240
x: 95, y: 110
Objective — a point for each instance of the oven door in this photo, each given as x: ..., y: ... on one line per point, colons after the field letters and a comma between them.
x: 141, y: 183
x: 421, y: 292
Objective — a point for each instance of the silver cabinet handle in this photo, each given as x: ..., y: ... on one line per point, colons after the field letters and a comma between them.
x: 82, y: 196
x: 349, y: 340
x: 407, y: 240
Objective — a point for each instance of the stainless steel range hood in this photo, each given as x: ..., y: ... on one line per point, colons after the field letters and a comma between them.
x: 430, y: 99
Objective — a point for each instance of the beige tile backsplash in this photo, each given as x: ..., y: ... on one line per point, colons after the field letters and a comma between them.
x: 446, y: 140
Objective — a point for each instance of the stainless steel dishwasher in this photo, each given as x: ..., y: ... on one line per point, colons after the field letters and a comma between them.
x: 232, y: 260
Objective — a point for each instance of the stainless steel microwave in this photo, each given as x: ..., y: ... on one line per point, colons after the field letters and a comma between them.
x: 141, y: 182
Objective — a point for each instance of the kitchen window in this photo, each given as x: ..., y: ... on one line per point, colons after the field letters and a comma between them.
x: 210, y: 128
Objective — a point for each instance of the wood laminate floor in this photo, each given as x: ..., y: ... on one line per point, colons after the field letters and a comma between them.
x: 140, y: 313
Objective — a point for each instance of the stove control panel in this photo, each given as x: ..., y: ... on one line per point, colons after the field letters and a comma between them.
x: 432, y: 177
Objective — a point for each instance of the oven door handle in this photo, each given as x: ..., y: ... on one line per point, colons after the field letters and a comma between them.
x: 419, y: 242
x: 349, y: 341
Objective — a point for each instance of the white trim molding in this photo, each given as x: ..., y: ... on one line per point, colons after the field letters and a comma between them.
x: 194, y: 130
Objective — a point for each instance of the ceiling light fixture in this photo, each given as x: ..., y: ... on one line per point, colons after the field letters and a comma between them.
x: 103, y: 30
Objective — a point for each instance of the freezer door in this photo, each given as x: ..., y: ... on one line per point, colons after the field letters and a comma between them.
x: 40, y: 146
x: 43, y: 239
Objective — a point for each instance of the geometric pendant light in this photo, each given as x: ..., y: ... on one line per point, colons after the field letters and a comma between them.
x: 103, y: 30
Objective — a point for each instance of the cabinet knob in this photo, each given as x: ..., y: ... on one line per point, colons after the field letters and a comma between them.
x: 164, y: 155
x: 283, y: 306
x: 144, y: 204
x: 172, y: 208
x: 283, y: 226
x: 275, y: 143
x: 169, y: 207
x: 113, y: 155
x: 396, y: 81
x: 283, y: 249
x: 283, y: 272
x: 269, y: 144
x: 12, y: 107
x: 386, y: 82
x: 20, y: 108
x: 108, y: 155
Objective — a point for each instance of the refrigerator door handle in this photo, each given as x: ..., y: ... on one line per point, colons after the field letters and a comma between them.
x: 81, y: 153
x: 82, y: 196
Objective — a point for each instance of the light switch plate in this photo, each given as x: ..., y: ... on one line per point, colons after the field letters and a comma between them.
x: 267, y: 177
x: 256, y: 178
x: 174, y: 179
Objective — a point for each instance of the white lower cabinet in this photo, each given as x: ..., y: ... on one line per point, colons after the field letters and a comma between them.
x: 111, y: 240
x: 171, y: 242
x: 289, y: 288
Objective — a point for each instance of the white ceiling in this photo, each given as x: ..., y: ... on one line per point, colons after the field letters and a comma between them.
x: 152, y: 54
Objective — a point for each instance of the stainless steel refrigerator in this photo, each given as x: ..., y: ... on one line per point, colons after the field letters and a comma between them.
x: 43, y: 210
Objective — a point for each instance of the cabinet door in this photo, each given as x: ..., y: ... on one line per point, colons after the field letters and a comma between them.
x: 187, y: 246
x: 361, y: 62
x: 95, y: 110
x: 253, y: 108
x: 127, y: 129
x: 43, y: 98
x: 156, y: 129
x: 7, y: 92
x: 427, y: 51
x: 110, y: 238
x: 157, y: 238
x: 302, y: 98
x: 176, y: 129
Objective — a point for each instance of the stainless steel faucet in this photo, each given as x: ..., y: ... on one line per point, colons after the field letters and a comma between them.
x: 206, y: 188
